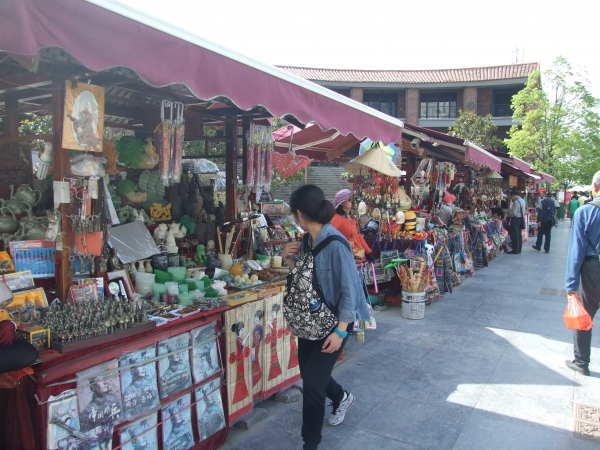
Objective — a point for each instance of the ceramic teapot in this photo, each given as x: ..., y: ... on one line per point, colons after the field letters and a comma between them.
x: 25, y: 194
x: 8, y: 224
x: 15, y: 205
x: 30, y: 222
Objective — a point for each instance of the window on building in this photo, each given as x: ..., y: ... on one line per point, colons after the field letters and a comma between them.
x: 438, y: 105
x: 386, y: 103
x: 502, y: 101
x: 344, y: 92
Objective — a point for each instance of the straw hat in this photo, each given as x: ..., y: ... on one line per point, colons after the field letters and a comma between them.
x: 489, y: 173
x: 375, y: 159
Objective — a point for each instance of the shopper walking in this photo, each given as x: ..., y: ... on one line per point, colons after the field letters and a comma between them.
x: 573, y: 206
x: 560, y: 214
x: 583, y: 261
x: 346, y: 225
x: 338, y: 290
x: 546, y: 211
x: 557, y: 206
x: 517, y: 221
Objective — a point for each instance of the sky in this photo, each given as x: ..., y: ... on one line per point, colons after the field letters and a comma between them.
x: 394, y: 34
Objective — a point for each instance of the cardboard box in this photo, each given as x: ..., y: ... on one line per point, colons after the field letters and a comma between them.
x: 36, y: 335
x: 239, y: 298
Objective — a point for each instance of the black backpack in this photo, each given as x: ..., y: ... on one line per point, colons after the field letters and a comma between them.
x: 304, y: 306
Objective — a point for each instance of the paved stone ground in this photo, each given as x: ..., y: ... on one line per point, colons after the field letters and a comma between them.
x: 483, y: 370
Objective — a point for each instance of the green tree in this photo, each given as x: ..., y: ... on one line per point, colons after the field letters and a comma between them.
x: 478, y: 129
x: 558, y: 124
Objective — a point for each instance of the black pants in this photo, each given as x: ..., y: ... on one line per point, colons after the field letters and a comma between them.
x: 544, y: 230
x: 516, y: 237
x: 590, y: 298
x: 316, y: 368
x: 18, y: 355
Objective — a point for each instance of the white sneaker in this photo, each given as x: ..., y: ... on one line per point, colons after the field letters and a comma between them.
x: 338, y: 414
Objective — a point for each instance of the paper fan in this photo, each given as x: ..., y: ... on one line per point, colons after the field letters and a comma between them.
x: 288, y: 164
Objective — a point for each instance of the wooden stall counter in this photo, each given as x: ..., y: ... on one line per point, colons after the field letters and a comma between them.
x: 24, y: 411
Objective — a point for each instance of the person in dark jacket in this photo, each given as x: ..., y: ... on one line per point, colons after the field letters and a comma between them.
x: 545, y: 211
x: 14, y: 355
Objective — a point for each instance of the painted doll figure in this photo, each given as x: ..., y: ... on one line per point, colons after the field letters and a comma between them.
x: 293, y: 362
x: 257, y: 337
x: 241, y: 390
x: 275, y: 369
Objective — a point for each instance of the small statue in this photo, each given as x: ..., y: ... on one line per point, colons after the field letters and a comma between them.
x: 114, y: 261
x: 150, y: 159
x: 171, y: 246
x: 160, y: 237
x: 220, y: 214
x: 200, y: 231
x: 177, y: 233
x: 160, y: 212
x: 110, y: 153
x: 210, y: 247
x: 213, y: 262
x: 200, y: 256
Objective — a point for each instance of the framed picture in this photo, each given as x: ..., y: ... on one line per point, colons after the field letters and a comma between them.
x: 83, y: 117
x: 177, y: 424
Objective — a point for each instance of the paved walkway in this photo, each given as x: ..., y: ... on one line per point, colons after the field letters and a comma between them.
x: 483, y: 370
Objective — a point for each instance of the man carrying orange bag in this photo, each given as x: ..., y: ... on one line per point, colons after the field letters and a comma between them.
x: 583, y: 261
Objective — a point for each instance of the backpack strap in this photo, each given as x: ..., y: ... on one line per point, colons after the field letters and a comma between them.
x: 327, y: 240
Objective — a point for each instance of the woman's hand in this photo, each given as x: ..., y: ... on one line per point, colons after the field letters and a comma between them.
x: 370, y: 258
x: 289, y: 250
x: 332, y: 344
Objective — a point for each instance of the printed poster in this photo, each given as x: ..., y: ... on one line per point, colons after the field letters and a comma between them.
x: 141, y: 434
x: 99, y: 399
x: 139, y: 388
x: 177, y: 424
x: 83, y: 121
x: 209, y: 409
x: 174, y: 369
x: 205, y: 353
x: 63, y: 420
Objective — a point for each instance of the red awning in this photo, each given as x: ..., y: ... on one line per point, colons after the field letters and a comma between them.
x: 104, y: 34
x: 521, y: 165
x: 482, y: 157
x: 313, y: 142
x: 548, y: 178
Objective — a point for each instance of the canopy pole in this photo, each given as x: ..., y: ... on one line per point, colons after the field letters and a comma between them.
x: 231, y: 153
x: 62, y: 169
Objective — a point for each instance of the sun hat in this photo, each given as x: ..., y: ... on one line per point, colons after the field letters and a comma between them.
x: 341, y: 197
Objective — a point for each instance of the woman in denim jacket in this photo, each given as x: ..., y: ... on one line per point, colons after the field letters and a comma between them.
x: 343, y: 293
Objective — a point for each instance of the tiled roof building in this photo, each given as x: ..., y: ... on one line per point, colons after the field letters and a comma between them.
x: 429, y: 98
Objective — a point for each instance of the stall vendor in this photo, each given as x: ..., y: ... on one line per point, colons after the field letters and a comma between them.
x: 14, y: 355
x: 445, y: 214
x: 346, y: 225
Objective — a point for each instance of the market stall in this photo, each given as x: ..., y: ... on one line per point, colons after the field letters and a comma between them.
x: 144, y: 260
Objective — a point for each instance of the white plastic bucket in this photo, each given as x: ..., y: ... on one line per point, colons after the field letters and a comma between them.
x: 413, y: 305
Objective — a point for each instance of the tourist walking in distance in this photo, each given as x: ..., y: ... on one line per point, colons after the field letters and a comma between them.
x: 573, y: 206
x: 583, y: 261
x: 517, y: 218
x: 335, y: 301
x: 546, y: 211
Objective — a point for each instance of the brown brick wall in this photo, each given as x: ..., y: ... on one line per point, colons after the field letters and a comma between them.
x: 470, y: 96
x: 412, y: 106
x: 484, y: 101
x: 401, y: 108
x: 356, y: 93
x: 459, y: 102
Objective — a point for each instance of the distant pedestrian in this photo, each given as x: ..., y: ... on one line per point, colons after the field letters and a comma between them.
x: 573, y: 206
x: 583, y: 261
x: 582, y: 198
x: 517, y: 221
x: 562, y: 208
x: 557, y: 206
x: 546, y: 211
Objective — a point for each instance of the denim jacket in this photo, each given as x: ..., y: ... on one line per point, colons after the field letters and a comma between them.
x: 339, y: 279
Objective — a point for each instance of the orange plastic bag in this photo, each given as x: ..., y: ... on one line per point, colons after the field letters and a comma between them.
x: 576, y: 317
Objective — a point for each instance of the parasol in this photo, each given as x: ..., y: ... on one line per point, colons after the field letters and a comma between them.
x: 375, y: 158
x: 489, y: 173
x: 289, y: 163
x: 391, y: 150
